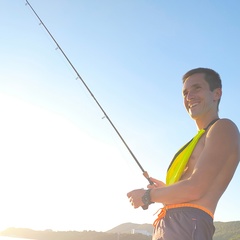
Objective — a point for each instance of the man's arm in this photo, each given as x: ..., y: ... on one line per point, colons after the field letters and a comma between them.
x: 220, y: 151
x: 220, y: 155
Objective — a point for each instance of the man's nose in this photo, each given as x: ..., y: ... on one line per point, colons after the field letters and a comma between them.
x: 189, y: 96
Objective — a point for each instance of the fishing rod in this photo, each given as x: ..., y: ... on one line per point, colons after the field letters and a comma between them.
x: 145, y: 174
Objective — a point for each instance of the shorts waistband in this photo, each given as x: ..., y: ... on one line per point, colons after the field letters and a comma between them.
x: 180, y: 205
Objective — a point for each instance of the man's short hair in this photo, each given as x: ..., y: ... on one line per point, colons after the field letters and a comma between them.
x: 211, y: 77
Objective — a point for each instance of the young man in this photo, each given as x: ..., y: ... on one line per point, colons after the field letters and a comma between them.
x: 201, y: 171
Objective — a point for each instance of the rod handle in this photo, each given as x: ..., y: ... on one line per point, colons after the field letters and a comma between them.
x: 145, y: 174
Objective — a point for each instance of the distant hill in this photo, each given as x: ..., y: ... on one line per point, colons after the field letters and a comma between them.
x: 69, y: 235
x: 128, y: 227
x: 227, y: 230
x: 224, y: 231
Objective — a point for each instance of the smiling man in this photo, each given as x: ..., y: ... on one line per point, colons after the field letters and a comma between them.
x: 200, y: 171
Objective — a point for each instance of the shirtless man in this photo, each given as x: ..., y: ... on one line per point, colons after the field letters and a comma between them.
x: 190, y: 202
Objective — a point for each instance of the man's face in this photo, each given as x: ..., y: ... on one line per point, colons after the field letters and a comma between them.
x: 199, y: 100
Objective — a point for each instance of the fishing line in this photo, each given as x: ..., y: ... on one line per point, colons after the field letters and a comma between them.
x: 145, y: 174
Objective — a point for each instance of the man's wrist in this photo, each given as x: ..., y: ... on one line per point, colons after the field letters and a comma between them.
x: 146, y: 198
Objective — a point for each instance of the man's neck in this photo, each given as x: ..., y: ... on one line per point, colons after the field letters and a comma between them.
x: 203, y: 123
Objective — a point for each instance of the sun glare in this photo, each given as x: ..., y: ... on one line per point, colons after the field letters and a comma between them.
x: 46, y: 164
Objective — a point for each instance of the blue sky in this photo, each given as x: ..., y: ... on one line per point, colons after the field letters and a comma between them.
x: 63, y: 166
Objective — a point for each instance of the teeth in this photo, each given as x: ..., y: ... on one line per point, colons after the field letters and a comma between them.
x: 193, y: 105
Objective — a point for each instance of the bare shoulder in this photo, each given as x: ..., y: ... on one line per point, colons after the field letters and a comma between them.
x: 224, y: 132
x: 225, y: 126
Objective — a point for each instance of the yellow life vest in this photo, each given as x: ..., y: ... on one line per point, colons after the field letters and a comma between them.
x: 181, y: 158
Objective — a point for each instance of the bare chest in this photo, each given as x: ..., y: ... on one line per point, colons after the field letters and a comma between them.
x: 193, y: 158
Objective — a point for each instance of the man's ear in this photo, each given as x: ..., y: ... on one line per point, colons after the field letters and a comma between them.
x: 217, y: 94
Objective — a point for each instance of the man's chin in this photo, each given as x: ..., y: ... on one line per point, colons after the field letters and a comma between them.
x: 193, y: 115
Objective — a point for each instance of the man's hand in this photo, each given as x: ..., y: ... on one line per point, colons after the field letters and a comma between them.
x: 156, y: 183
x: 135, y: 197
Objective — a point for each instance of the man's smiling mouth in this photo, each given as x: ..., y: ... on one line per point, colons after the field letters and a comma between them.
x: 192, y: 105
